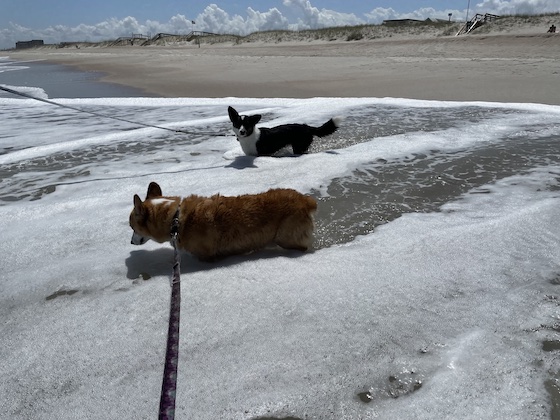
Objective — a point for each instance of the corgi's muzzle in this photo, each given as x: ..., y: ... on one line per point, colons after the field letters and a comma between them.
x: 138, y: 239
x: 240, y: 132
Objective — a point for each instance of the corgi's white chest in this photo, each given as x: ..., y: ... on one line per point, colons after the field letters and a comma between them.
x: 249, y: 144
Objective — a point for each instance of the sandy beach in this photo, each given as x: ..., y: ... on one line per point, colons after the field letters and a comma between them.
x: 512, y: 67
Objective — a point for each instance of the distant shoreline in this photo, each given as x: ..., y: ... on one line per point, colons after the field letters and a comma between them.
x: 518, y: 66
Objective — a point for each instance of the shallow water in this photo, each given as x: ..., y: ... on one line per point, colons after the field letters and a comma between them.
x: 60, y: 81
x: 384, y: 190
x: 380, y: 191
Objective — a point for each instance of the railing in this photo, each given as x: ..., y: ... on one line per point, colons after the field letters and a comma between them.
x: 130, y: 39
x: 147, y: 40
x: 188, y: 37
x: 476, y: 21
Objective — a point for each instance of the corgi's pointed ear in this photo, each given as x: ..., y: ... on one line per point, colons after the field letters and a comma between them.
x: 255, y: 119
x: 138, y: 205
x: 233, y: 115
x: 154, y: 190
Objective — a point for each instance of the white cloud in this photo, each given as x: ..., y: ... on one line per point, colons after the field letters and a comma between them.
x: 258, y: 21
x: 513, y: 7
x: 380, y: 14
x: 310, y: 17
x: 214, y: 19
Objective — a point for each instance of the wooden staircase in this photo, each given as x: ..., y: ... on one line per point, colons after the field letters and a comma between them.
x: 477, y: 21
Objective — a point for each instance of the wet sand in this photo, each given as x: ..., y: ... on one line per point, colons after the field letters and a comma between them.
x: 500, y: 68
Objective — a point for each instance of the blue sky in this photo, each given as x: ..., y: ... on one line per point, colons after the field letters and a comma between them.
x: 71, y: 20
x: 38, y: 13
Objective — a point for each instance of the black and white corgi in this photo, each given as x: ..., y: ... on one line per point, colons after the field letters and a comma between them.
x: 263, y: 141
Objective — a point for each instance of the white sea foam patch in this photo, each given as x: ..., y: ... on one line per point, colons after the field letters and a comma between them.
x: 33, y: 91
x: 49, y: 130
x: 46, y: 125
x: 4, y: 67
x: 440, y: 309
x: 201, y: 169
x: 448, y: 310
x: 208, y: 173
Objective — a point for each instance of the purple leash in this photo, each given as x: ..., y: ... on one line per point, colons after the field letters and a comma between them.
x: 169, y: 385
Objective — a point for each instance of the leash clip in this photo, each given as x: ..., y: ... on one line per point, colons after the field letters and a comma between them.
x: 175, y: 226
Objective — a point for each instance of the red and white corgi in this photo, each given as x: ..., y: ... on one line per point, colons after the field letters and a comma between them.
x: 219, y: 226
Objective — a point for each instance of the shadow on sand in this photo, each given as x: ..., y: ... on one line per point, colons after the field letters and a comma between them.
x: 159, y: 262
x: 243, y: 162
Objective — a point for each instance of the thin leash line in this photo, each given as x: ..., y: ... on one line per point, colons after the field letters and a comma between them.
x: 26, y: 95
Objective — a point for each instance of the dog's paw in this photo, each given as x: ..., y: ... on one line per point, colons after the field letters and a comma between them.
x: 233, y: 154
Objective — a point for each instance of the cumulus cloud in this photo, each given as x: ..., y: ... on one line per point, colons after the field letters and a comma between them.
x: 380, y: 14
x: 310, y: 17
x: 518, y: 7
x: 216, y: 20
x: 293, y: 15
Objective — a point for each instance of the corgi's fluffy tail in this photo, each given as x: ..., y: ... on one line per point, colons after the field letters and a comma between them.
x: 329, y: 127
